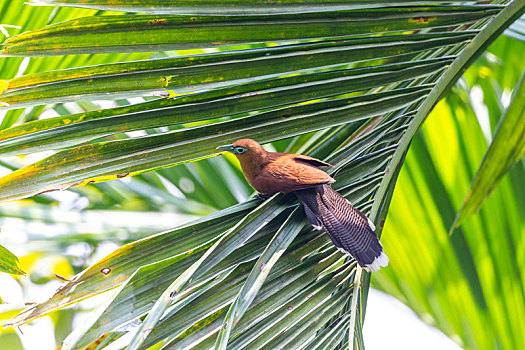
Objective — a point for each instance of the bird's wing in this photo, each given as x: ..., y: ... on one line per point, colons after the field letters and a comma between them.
x: 309, y: 160
x: 283, y: 173
x: 349, y: 229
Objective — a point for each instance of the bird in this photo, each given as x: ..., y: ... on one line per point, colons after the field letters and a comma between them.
x: 351, y: 231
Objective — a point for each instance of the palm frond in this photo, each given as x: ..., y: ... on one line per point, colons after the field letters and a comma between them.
x: 360, y: 79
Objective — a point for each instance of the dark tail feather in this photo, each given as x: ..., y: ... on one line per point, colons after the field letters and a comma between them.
x: 349, y: 229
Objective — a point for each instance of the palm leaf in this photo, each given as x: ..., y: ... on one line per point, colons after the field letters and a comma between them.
x: 170, y: 32
x: 218, y: 7
x: 517, y: 29
x: 374, y: 92
x: 9, y: 262
x: 507, y: 148
x: 431, y: 277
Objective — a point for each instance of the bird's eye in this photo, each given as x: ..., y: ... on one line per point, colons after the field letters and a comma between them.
x: 240, y: 150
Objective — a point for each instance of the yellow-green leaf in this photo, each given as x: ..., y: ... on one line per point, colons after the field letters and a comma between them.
x: 507, y: 147
x: 9, y: 262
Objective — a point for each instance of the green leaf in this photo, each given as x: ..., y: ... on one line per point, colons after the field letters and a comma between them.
x: 488, y: 34
x: 332, y: 335
x: 416, y: 234
x: 507, y: 148
x: 309, y: 324
x: 311, y: 302
x: 117, y: 159
x: 126, y: 259
x: 9, y: 262
x: 218, y: 7
x: 241, y: 232
x: 10, y: 340
x: 64, y: 131
x: 284, y: 236
x: 517, y: 30
x: 355, y: 315
x: 283, y: 283
x: 136, y: 297
x: 182, y: 242
x: 365, y: 136
x: 170, y: 32
x: 193, y: 73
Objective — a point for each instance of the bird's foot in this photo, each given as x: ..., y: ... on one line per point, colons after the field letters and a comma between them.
x: 262, y: 196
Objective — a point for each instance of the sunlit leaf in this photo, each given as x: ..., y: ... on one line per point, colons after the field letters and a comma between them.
x: 171, y: 32
x: 9, y: 262
x: 507, y: 147
x: 349, y: 84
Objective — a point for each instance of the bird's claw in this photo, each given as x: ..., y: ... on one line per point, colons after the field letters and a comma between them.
x: 262, y: 196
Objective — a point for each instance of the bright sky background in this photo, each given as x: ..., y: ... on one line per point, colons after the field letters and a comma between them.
x: 390, y: 324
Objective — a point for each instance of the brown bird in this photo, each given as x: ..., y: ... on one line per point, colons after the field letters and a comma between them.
x: 349, y: 229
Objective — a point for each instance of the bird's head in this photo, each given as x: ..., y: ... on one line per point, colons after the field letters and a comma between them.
x: 243, y: 148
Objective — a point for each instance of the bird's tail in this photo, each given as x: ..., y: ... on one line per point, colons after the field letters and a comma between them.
x: 349, y: 229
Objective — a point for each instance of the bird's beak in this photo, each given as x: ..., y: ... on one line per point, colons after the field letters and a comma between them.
x: 228, y: 148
